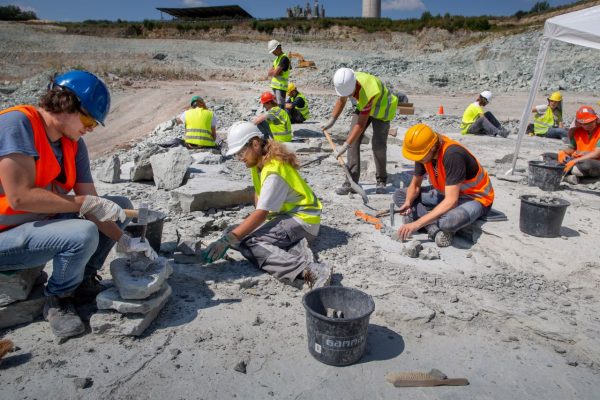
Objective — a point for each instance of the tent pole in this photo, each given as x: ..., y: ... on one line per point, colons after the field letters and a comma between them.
x: 535, y: 84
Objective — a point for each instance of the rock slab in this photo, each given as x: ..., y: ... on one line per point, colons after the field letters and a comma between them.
x: 24, y: 311
x: 200, y: 194
x: 111, y: 300
x: 135, y: 283
x: 110, y: 171
x: 142, y: 169
x: 170, y: 168
x: 16, y: 285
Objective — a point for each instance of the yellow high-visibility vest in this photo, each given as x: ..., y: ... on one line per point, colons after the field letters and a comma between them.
x: 280, y: 82
x: 383, y: 103
x: 472, y: 112
x: 198, y: 129
x: 303, y: 110
x: 541, y: 123
x: 281, y: 125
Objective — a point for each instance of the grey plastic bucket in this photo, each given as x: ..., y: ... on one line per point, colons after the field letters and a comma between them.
x: 542, y: 216
x: 545, y: 174
x: 337, y: 341
x: 156, y: 220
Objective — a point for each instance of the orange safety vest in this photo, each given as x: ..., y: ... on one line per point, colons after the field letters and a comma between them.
x: 584, y: 142
x: 47, y: 169
x: 479, y: 188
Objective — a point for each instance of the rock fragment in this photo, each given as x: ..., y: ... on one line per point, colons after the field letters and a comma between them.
x: 412, y: 248
x: 170, y: 168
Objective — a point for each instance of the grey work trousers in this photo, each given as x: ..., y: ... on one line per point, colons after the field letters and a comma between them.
x: 379, y: 146
x: 280, y: 97
x: 487, y: 124
x: 272, y: 248
x: 467, y: 211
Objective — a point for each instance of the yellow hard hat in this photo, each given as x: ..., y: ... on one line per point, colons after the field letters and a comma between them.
x: 291, y: 87
x: 556, y: 96
x: 418, y: 140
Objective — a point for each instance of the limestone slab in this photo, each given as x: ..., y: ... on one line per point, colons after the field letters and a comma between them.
x: 110, y: 170
x: 200, y: 194
x: 170, y: 168
x: 24, y: 311
x: 111, y: 300
x: 207, y: 158
x: 134, y: 282
x: 16, y: 285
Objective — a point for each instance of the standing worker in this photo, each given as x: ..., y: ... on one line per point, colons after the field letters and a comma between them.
x: 297, y: 105
x: 548, y: 119
x: 200, y: 125
x: 477, y: 122
x: 375, y: 105
x: 279, y: 72
x: 275, y: 122
x: 287, y: 211
x: 462, y: 191
x: 42, y: 159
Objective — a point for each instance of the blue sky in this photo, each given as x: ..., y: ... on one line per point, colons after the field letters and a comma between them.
x: 137, y: 10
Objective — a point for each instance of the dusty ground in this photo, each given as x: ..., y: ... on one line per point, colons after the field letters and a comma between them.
x: 515, y: 314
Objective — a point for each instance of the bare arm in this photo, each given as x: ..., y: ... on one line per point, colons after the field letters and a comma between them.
x: 592, y: 155
x: 109, y: 228
x: 213, y: 132
x: 252, y: 222
x: 260, y: 118
x: 450, y: 201
x: 339, y: 107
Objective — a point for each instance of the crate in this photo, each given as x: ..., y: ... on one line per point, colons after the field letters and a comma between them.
x: 406, y: 109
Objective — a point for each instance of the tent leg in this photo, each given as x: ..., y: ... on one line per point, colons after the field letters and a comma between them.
x: 535, y: 84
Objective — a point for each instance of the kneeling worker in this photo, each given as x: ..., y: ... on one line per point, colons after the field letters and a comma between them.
x: 582, y: 158
x: 462, y: 191
x: 297, y: 105
x: 275, y: 122
x: 200, y: 125
x: 287, y: 211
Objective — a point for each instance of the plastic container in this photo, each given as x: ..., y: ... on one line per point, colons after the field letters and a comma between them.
x: 156, y: 220
x: 545, y: 174
x: 337, y: 341
x: 542, y: 216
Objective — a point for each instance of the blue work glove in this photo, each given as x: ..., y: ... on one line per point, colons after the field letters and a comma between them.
x: 217, y: 249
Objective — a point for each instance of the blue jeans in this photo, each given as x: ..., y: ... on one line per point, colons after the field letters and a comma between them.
x: 75, y: 246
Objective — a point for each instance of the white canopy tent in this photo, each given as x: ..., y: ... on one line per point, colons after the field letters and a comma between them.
x: 580, y: 27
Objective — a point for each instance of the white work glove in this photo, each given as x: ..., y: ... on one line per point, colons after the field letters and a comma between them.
x: 217, y: 249
x: 128, y: 244
x: 102, y: 209
x: 329, y: 124
x: 340, y: 150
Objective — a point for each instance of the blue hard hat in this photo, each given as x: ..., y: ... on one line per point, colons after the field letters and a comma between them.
x: 90, y: 90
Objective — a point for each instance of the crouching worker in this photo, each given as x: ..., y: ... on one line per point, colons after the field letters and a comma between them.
x: 287, y: 211
x: 462, y: 191
x: 275, y: 123
x: 43, y: 158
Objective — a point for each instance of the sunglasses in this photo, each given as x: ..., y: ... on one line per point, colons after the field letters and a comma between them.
x: 87, y: 121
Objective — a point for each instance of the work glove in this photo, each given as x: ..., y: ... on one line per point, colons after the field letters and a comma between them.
x: 563, y: 157
x: 128, y: 244
x: 102, y: 209
x: 340, y: 150
x: 569, y: 165
x: 217, y: 249
x: 329, y: 124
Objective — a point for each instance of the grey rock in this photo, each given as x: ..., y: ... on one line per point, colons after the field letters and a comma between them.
x: 83, y: 383
x: 110, y: 170
x: 16, y: 285
x: 240, y: 367
x: 111, y: 300
x: 170, y: 168
x: 205, y: 157
x: 205, y: 193
x: 142, y: 169
x: 429, y: 253
x: 189, y: 247
x: 454, y: 299
x: 412, y: 248
x: 24, y: 311
x: 134, y: 282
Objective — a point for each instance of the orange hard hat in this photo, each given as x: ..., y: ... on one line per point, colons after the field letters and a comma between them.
x: 586, y: 114
x: 418, y: 140
x: 266, y: 97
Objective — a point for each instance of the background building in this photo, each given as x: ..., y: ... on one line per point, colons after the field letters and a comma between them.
x: 371, y: 9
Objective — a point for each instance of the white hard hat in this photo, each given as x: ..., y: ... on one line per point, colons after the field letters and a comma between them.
x: 344, y: 82
x: 273, y: 44
x: 239, y: 134
x: 486, y: 94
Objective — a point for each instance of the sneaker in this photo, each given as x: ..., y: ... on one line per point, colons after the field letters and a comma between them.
x: 444, y: 239
x: 317, y: 275
x: 63, y: 318
x: 88, y: 289
x: 380, y: 188
x: 344, y: 190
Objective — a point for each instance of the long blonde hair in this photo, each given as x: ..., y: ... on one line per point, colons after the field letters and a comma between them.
x: 277, y: 151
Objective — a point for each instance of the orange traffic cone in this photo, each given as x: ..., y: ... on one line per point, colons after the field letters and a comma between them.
x: 441, y: 110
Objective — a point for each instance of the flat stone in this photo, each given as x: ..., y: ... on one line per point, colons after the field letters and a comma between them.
x: 24, y: 311
x: 412, y: 248
x: 135, y: 283
x: 310, y: 146
x: 170, y: 168
x: 207, y: 158
x: 111, y: 300
x: 201, y: 194
x: 115, y: 324
x: 110, y: 170
x: 16, y: 285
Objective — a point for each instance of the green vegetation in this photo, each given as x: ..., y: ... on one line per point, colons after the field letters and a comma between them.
x: 14, y: 13
x: 538, y: 8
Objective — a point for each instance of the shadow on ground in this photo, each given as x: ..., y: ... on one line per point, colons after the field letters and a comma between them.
x: 382, y: 344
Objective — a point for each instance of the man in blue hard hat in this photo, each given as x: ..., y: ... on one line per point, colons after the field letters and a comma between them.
x: 49, y: 207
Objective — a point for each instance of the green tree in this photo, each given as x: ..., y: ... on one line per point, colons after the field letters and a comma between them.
x: 14, y: 13
x: 540, y: 6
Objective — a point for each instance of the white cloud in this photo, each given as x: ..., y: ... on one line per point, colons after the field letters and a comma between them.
x: 403, y: 5
x: 194, y: 3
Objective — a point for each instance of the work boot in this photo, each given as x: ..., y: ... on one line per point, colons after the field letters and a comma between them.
x: 318, y: 275
x: 380, y: 188
x: 89, y: 288
x: 62, y: 316
x: 432, y: 231
x: 444, y: 239
x: 344, y: 190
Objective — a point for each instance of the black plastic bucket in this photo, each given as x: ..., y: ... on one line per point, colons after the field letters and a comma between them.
x: 542, y: 216
x: 337, y: 341
x: 545, y: 174
x: 154, y: 230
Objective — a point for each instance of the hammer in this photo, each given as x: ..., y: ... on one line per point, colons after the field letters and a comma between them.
x: 142, y: 217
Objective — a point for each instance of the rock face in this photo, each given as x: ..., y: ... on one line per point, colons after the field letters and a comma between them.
x: 200, y: 194
x: 110, y: 171
x: 16, y: 285
x: 24, y: 311
x: 111, y: 300
x: 170, y: 168
x: 136, y: 283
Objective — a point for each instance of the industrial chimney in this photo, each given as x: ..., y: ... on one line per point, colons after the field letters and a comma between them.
x: 371, y: 9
